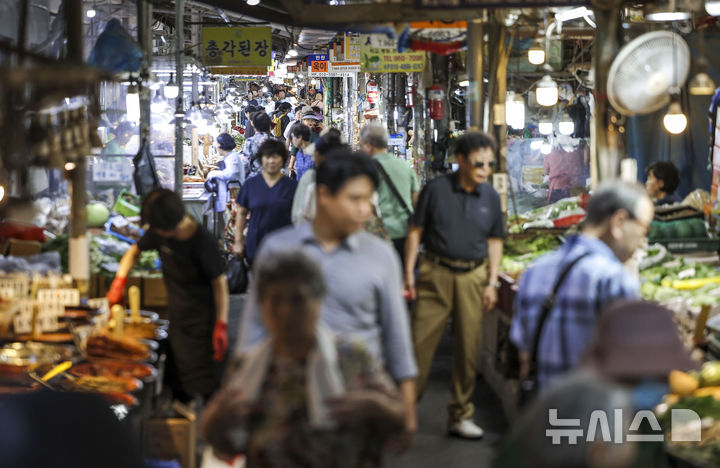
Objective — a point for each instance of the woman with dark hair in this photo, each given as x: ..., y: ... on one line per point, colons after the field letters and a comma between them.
x: 267, y: 197
x: 231, y: 168
x: 302, y: 161
x: 261, y: 123
x: 303, y: 207
x: 663, y: 179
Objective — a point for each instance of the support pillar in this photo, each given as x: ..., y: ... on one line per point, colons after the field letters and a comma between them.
x: 474, y: 97
x: 179, y: 106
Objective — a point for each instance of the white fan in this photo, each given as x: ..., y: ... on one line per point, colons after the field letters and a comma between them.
x: 645, y: 70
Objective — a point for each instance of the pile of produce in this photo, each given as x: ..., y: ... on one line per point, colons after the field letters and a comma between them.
x: 678, y: 229
x: 699, y: 392
x: 695, y: 282
x: 105, y: 254
x: 518, y: 253
x: 561, y: 214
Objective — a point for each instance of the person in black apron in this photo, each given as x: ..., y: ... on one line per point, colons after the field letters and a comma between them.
x: 198, y: 301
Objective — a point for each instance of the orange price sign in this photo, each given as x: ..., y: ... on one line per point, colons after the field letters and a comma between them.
x: 319, y: 67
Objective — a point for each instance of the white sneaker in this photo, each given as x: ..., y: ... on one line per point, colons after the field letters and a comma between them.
x: 466, y: 429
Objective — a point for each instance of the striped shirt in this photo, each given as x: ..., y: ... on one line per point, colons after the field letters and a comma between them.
x: 594, y: 282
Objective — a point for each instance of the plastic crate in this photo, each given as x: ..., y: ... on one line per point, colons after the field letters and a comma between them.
x: 691, y: 244
x: 126, y: 208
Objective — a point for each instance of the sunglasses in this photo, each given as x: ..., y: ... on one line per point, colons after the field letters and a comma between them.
x: 481, y: 164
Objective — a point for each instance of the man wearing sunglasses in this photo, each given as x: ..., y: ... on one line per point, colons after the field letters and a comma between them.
x: 459, y: 221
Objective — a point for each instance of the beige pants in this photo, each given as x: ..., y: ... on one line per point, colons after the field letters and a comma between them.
x: 442, y: 293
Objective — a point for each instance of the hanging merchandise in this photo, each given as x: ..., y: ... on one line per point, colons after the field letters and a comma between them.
x: 371, y: 90
x: 410, y: 93
x: 436, y: 95
x: 145, y: 175
x: 115, y: 50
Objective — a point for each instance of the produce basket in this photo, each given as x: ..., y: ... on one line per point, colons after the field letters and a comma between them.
x: 693, y: 244
x: 127, y: 204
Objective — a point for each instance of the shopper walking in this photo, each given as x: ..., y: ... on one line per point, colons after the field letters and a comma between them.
x: 303, y: 397
x: 618, y: 218
x: 261, y: 123
x: 193, y: 271
x: 231, y: 168
x: 364, y: 301
x: 459, y: 221
x: 304, y: 203
x: 399, y: 188
x: 267, y: 198
x: 310, y: 118
x: 303, y: 160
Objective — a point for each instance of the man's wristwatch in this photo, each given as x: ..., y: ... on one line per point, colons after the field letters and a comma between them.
x: 494, y: 284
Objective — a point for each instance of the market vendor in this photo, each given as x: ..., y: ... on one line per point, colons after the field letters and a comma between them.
x: 663, y: 179
x: 198, y: 300
x: 231, y: 168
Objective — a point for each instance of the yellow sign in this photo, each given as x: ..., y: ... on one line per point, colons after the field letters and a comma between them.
x: 237, y: 47
x: 533, y: 174
x: 254, y: 71
x: 352, y: 48
x: 379, y: 55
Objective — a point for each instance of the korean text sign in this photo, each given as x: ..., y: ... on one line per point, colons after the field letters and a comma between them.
x: 378, y: 54
x: 237, y: 47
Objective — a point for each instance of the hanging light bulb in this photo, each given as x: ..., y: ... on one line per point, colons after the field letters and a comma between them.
x: 463, y: 80
x: 132, y: 103
x: 546, y: 92
x: 701, y: 85
x: 675, y: 121
x: 195, y: 115
x: 2, y: 193
x: 536, y: 54
x: 171, y: 88
x: 292, y: 52
x: 253, y: 2
x: 713, y: 7
x: 514, y: 111
x: 545, y: 147
x: 157, y: 104
x: 545, y: 124
x: 566, y: 124
x: 667, y: 11
x: 91, y: 13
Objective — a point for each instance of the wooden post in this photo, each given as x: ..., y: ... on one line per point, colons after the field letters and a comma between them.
x: 606, y: 144
x: 474, y: 98
x: 79, y: 249
x: 179, y: 107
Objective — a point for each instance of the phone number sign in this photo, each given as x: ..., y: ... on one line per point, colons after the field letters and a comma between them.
x: 237, y: 47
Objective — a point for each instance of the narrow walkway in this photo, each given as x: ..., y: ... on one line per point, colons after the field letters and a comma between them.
x: 433, y: 448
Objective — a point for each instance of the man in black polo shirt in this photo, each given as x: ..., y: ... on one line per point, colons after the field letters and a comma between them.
x: 459, y: 221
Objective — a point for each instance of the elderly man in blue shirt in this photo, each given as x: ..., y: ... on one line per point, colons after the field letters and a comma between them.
x: 365, y: 301
x: 618, y: 218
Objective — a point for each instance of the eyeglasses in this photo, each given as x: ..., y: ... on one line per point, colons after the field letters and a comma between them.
x: 481, y: 164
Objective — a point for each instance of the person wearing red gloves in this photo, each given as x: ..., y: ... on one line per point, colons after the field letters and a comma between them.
x: 194, y: 273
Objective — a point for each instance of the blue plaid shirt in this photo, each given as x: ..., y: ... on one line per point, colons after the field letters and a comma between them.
x: 594, y: 282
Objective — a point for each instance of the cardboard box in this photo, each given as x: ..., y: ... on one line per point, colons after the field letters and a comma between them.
x: 18, y: 247
x: 154, y: 292
x: 170, y: 439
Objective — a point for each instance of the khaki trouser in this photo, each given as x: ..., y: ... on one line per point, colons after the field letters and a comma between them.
x: 441, y: 292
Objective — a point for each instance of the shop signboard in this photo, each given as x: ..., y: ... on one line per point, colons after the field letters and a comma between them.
x: 464, y: 4
x: 252, y: 71
x: 237, y: 47
x: 396, y: 139
x: 351, y: 48
x: 318, y: 65
x: 343, y: 69
x: 379, y: 55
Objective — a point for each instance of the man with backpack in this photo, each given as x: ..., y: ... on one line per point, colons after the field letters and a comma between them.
x: 281, y: 119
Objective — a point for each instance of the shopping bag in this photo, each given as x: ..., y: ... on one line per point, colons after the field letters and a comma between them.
x: 237, y: 275
x: 145, y: 176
